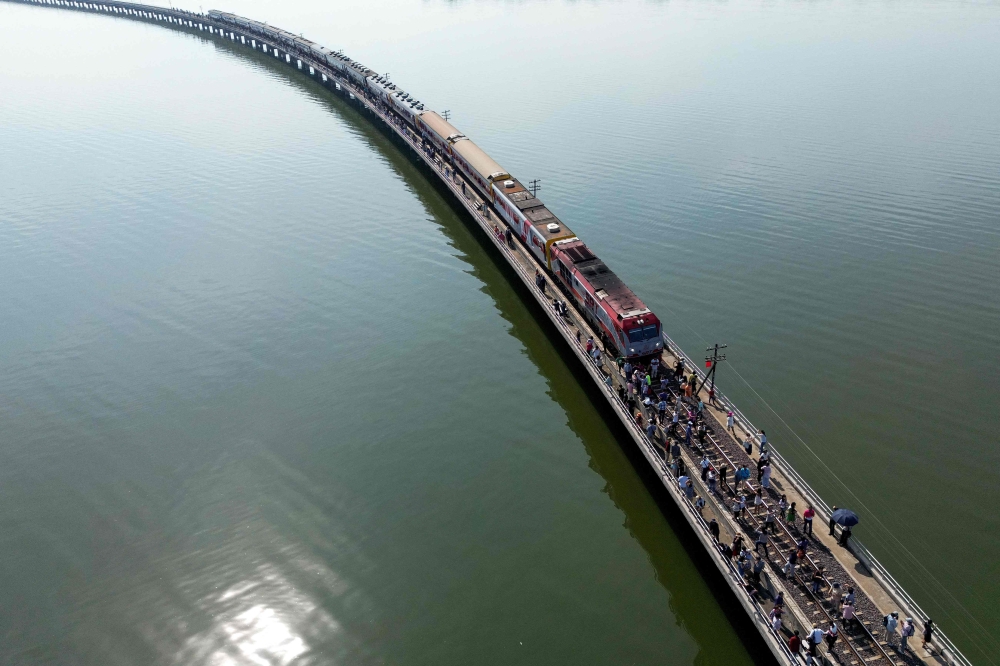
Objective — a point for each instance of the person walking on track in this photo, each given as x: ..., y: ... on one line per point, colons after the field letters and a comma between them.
x: 815, y: 638
x: 807, y: 520
x: 831, y: 635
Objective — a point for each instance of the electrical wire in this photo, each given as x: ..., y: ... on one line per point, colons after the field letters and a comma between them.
x: 959, y: 625
x: 885, y: 529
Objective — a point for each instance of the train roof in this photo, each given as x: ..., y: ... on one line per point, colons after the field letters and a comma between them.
x: 439, y: 125
x: 542, y: 216
x: 533, y: 209
x: 607, y: 286
x: 520, y: 196
x: 477, y: 158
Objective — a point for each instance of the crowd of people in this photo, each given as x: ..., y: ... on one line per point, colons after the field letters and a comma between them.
x: 666, y: 403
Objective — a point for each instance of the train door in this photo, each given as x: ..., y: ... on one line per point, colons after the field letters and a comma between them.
x: 537, y: 243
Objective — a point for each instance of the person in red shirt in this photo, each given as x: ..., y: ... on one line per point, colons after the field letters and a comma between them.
x: 807, y: 520
x: 795, y: 643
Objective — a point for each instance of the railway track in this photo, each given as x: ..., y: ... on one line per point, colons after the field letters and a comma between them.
x: 858, y: 644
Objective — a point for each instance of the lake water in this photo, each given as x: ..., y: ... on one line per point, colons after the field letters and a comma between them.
x: 266, y: 400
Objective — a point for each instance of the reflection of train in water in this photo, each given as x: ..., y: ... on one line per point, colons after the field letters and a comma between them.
x: 607, y: 302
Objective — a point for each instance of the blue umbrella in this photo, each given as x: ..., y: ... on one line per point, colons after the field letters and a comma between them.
x: 845, y: 517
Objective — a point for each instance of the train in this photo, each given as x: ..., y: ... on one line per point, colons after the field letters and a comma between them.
x: 608, y: 304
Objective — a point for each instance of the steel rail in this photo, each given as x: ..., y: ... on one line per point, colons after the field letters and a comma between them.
x: 757, y: 524
x: 895, y: 590
x: 177, y: 17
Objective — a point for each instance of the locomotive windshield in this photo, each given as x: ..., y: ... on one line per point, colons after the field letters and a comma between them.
x: 644, y: 333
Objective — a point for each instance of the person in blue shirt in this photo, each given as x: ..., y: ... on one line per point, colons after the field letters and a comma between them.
x: 741, y: 475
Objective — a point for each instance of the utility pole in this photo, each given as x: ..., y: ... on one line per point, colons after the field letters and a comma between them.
x: 446, y: 114
x: 711, y: 362
x: 534, y: 186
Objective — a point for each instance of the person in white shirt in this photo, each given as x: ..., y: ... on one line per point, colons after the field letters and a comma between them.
x: 815, y: 638
x: 739, y: 506
x: 891, y: 621
x: 831, y: 635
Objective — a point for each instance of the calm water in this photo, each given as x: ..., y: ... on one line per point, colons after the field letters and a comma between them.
x: 265, y: 400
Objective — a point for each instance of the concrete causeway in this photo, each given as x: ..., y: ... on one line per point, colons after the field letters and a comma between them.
x: 837, y: 567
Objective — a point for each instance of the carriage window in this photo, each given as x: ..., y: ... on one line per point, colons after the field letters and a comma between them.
x: 650, y: 332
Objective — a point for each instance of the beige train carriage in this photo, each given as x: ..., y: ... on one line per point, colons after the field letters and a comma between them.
x: 482, y: 169
x: 439, y: 131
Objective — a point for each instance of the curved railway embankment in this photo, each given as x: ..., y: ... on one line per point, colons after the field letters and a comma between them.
x: 862, y: 644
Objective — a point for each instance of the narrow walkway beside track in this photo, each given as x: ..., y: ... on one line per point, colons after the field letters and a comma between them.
x: 831, y: 568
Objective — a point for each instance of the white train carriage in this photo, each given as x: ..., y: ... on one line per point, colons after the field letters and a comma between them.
x: 380, y: 88
x: 398, y: 100
x: 245, y: 24
x: 285, y: 37
x: 336, y: 61
x: 358, y: 73
x: 355, y: 71
x: 405, y: 105
x: 320, y: 52
x: 535, y: 224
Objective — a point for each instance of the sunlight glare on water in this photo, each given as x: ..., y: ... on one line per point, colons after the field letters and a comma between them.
x: 266, y: 400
